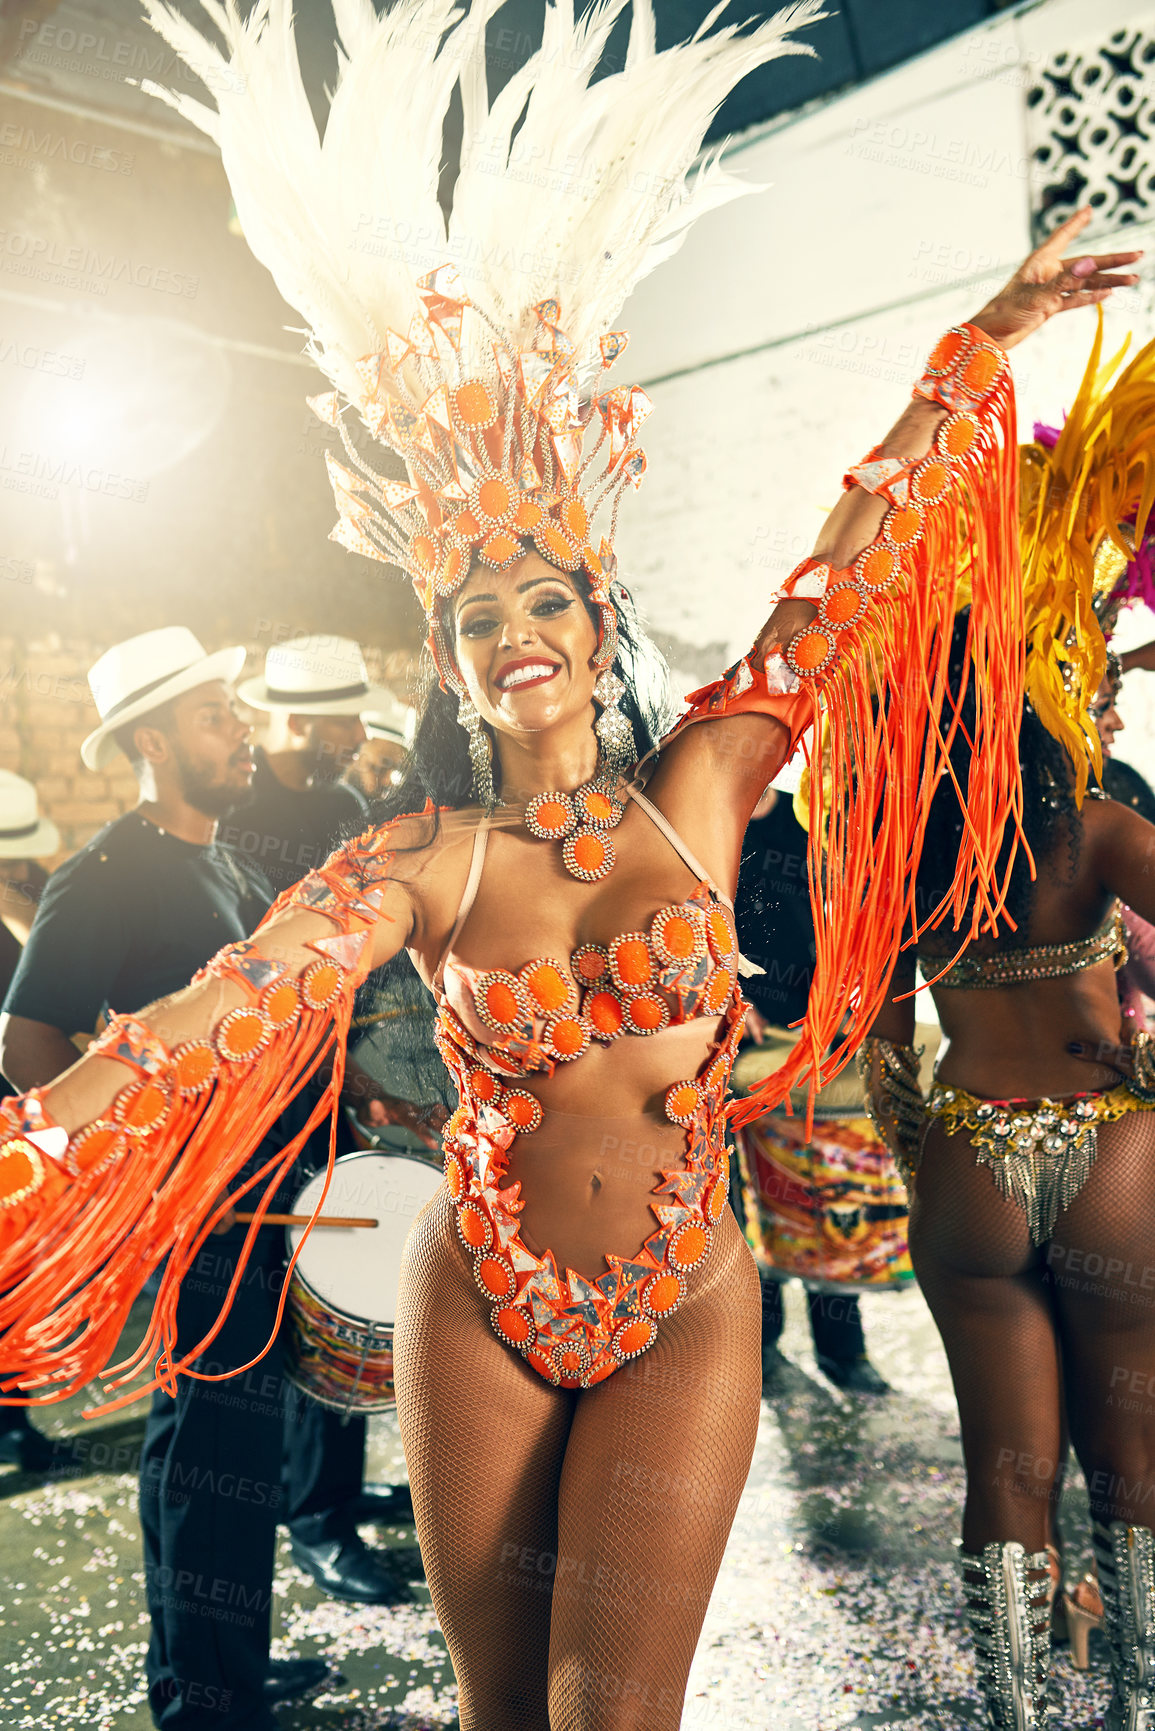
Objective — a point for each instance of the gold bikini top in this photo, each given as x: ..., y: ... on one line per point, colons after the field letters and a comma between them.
x: 1043, y: 962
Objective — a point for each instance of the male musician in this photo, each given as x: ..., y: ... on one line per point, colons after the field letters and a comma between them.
x: 129, y: 919
x: 315, y: 689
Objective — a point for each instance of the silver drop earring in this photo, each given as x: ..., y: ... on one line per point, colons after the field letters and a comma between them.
x: 480, y: 752
x: 615, y: 735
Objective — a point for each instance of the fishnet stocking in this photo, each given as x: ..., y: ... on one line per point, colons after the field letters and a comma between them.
x: 1020, y: 1323
x: 571, y: 1541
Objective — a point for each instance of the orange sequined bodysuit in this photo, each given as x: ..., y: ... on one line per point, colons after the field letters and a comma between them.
x: 575, y: 1331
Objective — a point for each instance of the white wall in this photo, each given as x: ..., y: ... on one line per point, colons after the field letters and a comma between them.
x: 795, y: 321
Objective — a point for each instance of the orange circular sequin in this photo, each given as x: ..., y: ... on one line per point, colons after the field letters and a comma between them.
x: 878, y: 567
x: 242, y: 1034
x: 528, y: 514
x: 281, y: 1003
x: 720, y: 932
x: 718, y: 989
x: 142, y: 1108
x: 574, y: 518
x: 523, y: 1111
x: 646, y: 1013
x: 21, y: 1171
x: 320, y: 984
x: 550, y: 816
x: 484, y: 1086
x: 929, y: 483
x: 958, y: 435
x: 676, y: 935
x: 495, y: 497
x: 497, y: 998
x: 605, y: 1014
x: 454, y: 1177
x: 96, y: 1144
x: 663, y: 1294
x: 596, y: 808
x: 980, y: 371
x: 688, y: 1245
x: 195, y: 1067
x: 842, y: 605
x: 716, y: 1203
x: 495, y: 1277
x: 634, y: 1337
x: 682, y: 1102
x: 631, y: 963
x: 567, y: 1037
x: 474, y: 1227
x: 946, y: 351
x: 810, y: 652
x: 475, y: 404
x: 903, y: 526
x: 588, y: 854
x: 548, y: 987
x: 513, y: 1325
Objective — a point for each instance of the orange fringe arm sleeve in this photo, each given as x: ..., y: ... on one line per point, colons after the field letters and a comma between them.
x: 871, y: 670
x: 86, y: 1216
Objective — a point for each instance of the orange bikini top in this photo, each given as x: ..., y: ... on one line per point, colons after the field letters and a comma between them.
x: 684, y: 966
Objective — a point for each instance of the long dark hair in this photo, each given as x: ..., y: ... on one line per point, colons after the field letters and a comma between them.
x: 437, y: 767
x: 1050, y: 816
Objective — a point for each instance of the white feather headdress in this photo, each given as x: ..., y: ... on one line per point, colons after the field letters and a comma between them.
x: 471, y: 346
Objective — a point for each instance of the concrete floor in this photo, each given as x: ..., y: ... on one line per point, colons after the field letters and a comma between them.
x: 836, y: 1608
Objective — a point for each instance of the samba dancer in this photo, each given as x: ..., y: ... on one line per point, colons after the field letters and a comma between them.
x: 581, y: 915
x: 1025, y: 1185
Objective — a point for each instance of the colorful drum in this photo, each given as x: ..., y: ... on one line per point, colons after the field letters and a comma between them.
x: 342, y: 1299
x: 831, y: 1210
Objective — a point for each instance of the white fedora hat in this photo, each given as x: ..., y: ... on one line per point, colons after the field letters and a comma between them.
x: 318, y: 675
x: 24, y: 834
x: 135, y: 677
x: 395, y: 720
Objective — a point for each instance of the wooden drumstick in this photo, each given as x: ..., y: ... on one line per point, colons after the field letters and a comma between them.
x: 304, y: 1219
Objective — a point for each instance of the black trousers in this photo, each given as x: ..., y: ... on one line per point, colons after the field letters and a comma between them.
x: 210, y: 1499
x: 835, y: 1321
x: 324, y: 1470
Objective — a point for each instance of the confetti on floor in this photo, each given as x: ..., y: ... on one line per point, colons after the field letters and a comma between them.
x: 837, y: 1606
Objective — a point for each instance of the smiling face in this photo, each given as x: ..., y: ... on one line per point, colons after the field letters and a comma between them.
x: 525, y: 643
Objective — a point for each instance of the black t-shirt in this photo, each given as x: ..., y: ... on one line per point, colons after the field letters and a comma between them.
x: 772, y: 911
x: 130, y: 918
x: 287, y: 832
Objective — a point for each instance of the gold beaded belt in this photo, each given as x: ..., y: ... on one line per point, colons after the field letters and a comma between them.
x: 1039, y: 1151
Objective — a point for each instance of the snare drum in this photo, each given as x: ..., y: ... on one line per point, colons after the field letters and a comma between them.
x: 342, y: 1300
x: 830, y: 1209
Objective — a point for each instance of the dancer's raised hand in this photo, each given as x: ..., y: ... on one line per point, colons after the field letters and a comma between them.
x: 1046, y: 283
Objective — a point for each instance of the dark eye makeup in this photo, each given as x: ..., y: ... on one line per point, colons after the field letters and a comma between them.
x: 545, y: 606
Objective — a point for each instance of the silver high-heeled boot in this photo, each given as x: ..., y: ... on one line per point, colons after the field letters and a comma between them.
x: 1126, y: 1559
x: 1010, y: 1619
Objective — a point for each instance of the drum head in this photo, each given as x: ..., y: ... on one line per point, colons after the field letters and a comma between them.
x: 356, y: 1269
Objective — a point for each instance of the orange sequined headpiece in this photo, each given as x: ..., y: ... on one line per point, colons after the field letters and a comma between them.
x: 496, y: 457
x: 485, y: 374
